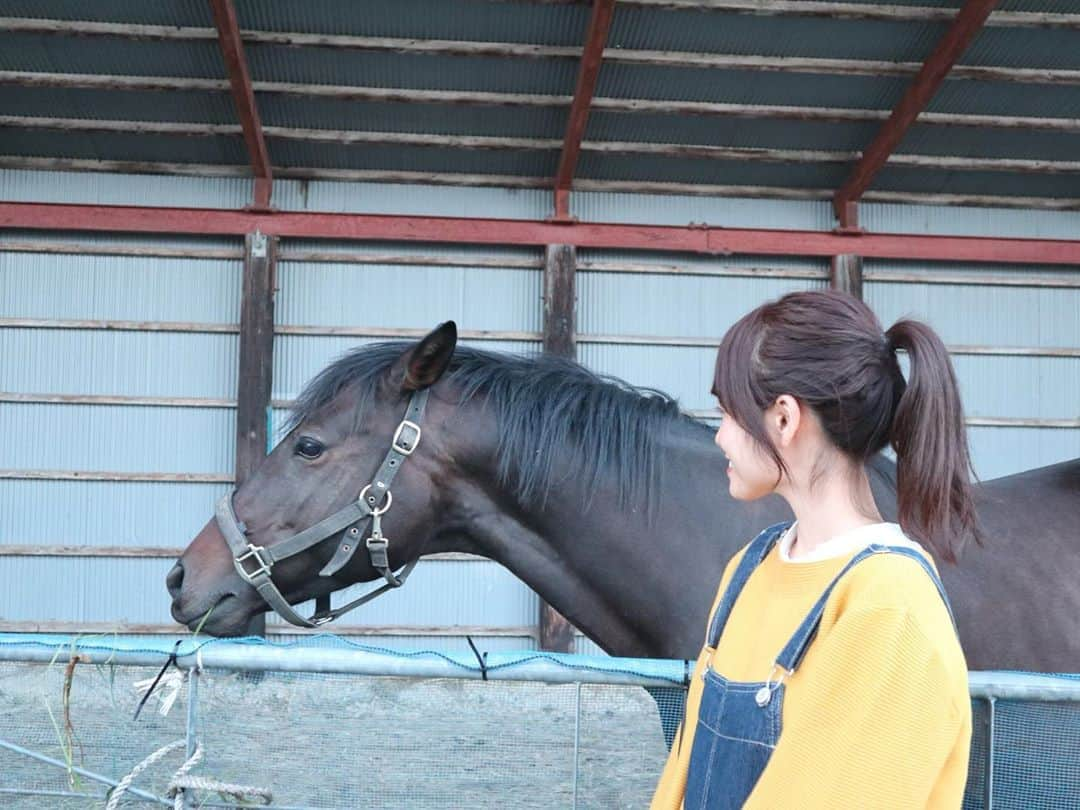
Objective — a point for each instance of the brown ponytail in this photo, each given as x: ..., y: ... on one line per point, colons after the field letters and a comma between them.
x: 827, y: 349
x: 929, y: 436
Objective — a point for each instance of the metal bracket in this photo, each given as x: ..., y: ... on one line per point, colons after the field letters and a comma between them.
x: 258, y: 245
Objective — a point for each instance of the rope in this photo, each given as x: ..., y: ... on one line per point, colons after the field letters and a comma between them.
x: 182, y: 780
x: 125, y: 783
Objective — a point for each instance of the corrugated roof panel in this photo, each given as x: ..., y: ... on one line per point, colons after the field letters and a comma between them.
x: 981, y: 315
x: 439, y: 119
x: 999, y: 451
x: 424, y: 200
x: 442, y: 592
x: 135, y: 288
x: 18, y: 185
x: 91, y: 590
x: 732, y: 212
x: 1007, y: 98
x: 722, y: 130
x: 370, y: 295
x: 1029, y: 144
x: 410, y: 70
x: 119, y: 57
x: 535, y: 23
x: 682, y: 372
x: 1027, y: 47
x: 766, y: 35
x: 594, y: 166
x: 396, y: 157
x: 127, y: 105
x: 748, y: 87
x: 969, y: 221
x: 694, y: 306
x: 118, y: 438
x: 1019, y: 387
x: 119, y: 363
x: 104, y: 513
x: 133, y: 590
x: 931, y: 181
x: 226, y: 150
x: 178, y: 12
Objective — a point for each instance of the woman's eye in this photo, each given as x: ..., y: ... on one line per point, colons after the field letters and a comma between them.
x: 309, y: 448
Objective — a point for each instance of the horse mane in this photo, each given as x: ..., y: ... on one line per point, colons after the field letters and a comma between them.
x: 544, y: 406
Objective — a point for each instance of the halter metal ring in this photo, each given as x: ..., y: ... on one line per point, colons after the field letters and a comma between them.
x: 376, y: 510
x: 264, y: 563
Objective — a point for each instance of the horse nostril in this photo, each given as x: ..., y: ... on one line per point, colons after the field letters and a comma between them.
x: 175, y: 580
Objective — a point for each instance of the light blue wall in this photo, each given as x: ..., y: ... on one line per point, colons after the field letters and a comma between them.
x: 488, y: 288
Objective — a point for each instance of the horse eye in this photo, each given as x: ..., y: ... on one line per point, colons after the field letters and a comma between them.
x: 309, y: 448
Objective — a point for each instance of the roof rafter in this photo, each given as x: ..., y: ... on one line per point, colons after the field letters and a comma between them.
x: 591, y: 58
x: 232, y: 51
x: 965, y: 27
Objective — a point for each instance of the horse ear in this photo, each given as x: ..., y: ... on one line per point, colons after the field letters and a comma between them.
x: 426, y: 362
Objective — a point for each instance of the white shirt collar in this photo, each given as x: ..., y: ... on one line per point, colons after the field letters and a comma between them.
x: 843, y: 544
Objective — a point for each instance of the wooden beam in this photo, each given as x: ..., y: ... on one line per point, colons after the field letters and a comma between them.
x: 588, y: 73
x: 965, y: 27
x: 555, y: 632
x: 256, y: 354
x: 232, y: 51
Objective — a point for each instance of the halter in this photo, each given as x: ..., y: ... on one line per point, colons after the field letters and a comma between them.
x: 254, y: 563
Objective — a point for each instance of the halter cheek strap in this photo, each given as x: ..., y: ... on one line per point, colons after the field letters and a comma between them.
x: 255, y: 563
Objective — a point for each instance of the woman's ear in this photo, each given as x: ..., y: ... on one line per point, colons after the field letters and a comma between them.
x: 785, y: 417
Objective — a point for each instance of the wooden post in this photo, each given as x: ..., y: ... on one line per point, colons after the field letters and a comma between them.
x: 256, y: 361
x: 846, y: 274
x: 556, y: 633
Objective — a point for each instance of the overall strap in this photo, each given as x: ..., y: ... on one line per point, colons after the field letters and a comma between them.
x: 756, y: 552
x: 792, y: 654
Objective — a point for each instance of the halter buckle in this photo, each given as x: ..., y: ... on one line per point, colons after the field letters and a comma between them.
x: 406, y: 445
x: 264, y: 563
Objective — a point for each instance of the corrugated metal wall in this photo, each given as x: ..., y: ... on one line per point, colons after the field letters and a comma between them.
x: 81, y: 331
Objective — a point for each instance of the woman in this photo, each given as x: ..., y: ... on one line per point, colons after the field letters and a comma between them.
x: 831, y: 675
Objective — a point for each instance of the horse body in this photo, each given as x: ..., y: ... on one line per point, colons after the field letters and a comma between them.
x: 607, y: 502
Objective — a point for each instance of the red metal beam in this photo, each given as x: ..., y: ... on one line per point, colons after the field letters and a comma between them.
x: 232, y: 51
x: 695, y: 239
x: 965, y: 27
x: 588, y: 73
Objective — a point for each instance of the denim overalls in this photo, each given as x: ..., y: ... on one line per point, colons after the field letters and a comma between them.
x: 738, y: 724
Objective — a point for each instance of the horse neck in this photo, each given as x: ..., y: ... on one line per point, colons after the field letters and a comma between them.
x: 619, y: 571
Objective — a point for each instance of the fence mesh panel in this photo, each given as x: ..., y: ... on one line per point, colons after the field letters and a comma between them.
x: 346, y: 741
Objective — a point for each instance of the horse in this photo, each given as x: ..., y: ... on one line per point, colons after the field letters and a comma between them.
x: 604, y: 498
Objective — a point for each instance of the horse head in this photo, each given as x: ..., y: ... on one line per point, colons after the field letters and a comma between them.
x: 342, y: 499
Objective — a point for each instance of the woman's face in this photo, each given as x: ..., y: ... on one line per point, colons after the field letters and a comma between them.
x: 752, y: 474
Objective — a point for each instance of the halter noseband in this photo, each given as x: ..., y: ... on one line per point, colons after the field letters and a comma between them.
x: 254, y: 563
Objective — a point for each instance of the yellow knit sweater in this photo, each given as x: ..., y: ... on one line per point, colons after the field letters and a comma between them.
x: 878, y: 714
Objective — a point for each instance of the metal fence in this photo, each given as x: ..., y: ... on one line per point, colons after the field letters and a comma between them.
x: 327, y: 723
